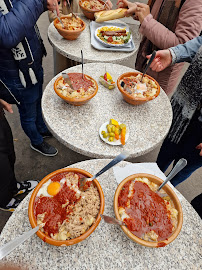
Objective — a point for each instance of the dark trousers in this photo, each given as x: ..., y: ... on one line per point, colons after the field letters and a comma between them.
x: 186, y: 148
x: 197, y: 204
x: 8, y: 181
x: 30, y: 106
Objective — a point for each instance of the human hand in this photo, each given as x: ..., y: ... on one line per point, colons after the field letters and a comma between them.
x: 53, y: 5
x: 6, y: 106
x: 142, y: 10
x: 109, y: 4
x: 199, y: 146
x: 126, y: 4
x: 161, y: 61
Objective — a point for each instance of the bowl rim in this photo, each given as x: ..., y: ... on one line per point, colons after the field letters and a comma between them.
x: 82, y: 237
x: 127, y: 74
x: 90, y: 10
x: 76, y: 100
x: 174, y: 198
x: 66, y: 30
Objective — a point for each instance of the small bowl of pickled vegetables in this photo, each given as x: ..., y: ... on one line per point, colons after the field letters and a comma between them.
x: 107, y: 81
x: 114, y: 133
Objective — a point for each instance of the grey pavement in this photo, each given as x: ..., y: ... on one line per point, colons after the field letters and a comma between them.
x: 32, y: 165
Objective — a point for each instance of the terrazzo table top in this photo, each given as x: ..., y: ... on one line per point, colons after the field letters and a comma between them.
x: 72, y: 48
x: 107, y: 248
x: 77, y: 127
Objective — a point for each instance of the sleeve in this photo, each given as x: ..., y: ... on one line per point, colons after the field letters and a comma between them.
x: 15, y: 25
x: 186, y: 52
x: 189, y: 25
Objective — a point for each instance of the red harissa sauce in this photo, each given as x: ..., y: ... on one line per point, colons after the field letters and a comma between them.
x: 78, y: 82
x: 147, y: 211
x: 55, y: 213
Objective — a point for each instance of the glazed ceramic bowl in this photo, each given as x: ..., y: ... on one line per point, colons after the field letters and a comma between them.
x: 170, y: 193
x: 135, y: 100
x: 68, y: 34
x: 75, y: 101
x: 82, y: 237
x: 88, y: 12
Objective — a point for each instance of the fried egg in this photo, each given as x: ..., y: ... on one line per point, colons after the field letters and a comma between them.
x: 49, y: 189
x: 140, y: 87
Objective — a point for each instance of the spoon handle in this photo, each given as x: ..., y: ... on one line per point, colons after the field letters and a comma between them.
x: 10, y: 246
x: 112, y: 220
x: 55, y: 12
x: 82, y: 61
x: 116, y: 160
x: 148, y: 64
x: 178, y: 167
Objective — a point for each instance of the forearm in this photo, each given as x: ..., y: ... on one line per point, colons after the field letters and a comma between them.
x: 188, y: 26
x: 15, y: 25
x: 186, y: 52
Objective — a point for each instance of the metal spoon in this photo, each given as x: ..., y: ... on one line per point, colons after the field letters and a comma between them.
x: 74, y: 15
x: 10, y: 246
x: 112, y: 220
x: 148, y: 64
x: 178, y: 167
x: 82, y: 63
x: 55, y: 12
x: 117, y: 159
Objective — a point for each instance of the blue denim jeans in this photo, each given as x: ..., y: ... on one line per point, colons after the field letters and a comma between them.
x: 30, y: 107
x: 186, y: 148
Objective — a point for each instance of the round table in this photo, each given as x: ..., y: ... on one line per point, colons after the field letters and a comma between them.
x: 72, y: 48
x: 107, y: 247
x: 78, y: 127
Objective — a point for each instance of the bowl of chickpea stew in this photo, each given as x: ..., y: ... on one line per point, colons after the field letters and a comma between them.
x: 136, y: 92
x: 153, y: 218
x: 85, y: 88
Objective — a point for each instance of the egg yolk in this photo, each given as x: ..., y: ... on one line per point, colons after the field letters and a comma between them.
x: 141, y: 86
x: 53, y: 188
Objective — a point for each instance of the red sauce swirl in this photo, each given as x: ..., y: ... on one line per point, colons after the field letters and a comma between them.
x: 147, y: 211
x: 52, y: 206
x: 79, y: 82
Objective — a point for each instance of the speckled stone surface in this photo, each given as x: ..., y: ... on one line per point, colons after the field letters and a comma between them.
x: 107, y: 248
x: 78, y: 127
x: 72, y: 48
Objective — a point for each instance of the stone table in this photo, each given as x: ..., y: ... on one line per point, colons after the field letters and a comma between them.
x: 107, y: 247
x: 78, y: 127
x: 72, y: 48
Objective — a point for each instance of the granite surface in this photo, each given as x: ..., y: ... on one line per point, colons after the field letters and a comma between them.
x: 107, y: 247
x: 77, y: 127
x: 72, y: 48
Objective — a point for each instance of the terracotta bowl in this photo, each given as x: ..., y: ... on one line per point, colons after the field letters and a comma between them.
x: 88, y: 12
x: 173, y: 197
x: 135, y: 100
x: 33, y: 221
x: 69, y: 34
x: 75, y: 101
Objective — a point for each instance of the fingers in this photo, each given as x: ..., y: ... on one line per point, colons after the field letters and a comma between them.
x: 199, y: 146
x: 122, y: 3
x: 141, y: 5
x: 6, y: 106
x: 109, y: 4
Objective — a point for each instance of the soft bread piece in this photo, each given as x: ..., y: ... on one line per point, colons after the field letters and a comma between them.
x: 108, y: 15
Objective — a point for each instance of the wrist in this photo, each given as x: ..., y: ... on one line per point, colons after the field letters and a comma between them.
x: 173, y: 56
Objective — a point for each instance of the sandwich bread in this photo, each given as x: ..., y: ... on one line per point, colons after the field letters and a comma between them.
x: 108, y: 15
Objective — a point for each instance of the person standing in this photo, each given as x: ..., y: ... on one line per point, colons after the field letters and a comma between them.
x: 170, y: 22
x: 184, y: 139
x: 21, y: 72
x: 9, y: 187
